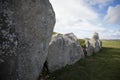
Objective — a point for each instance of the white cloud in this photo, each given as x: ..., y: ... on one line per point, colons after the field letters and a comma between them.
x: 110, y: 34
x: 100, y: 3
x: 73, y: 15
x: 81, y: 30
x: 78, y: 17
x: 71, y: 11
x: 113, y: 15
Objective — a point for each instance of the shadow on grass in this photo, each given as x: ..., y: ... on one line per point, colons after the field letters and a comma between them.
x: 104, y: 65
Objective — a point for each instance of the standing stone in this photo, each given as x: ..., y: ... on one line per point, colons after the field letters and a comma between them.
x: 96, y: 42
x: 89, y: 48
x: 56, y: 54
x: 25, y: 30
x: 95, y: 45
x: 73, y: 43
x: 100, y: 43
x: 63, y: 50
x: 95, y: 36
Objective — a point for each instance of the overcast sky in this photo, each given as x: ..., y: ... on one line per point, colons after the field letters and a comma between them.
x: 84, y: 17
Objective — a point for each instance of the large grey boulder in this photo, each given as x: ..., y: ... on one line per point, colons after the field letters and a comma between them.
x: 56, y: 56
x: 93, y: 45
x: 73, y: 43
x: 100, y: 43
x: 96, y: 42
x: 95, y: 35
x: 25, y: 30
x: 63, y: 50
x: 89, y: 48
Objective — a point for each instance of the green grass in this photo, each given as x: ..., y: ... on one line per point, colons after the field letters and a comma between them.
x: 114, y: 44
x: 104, y: 65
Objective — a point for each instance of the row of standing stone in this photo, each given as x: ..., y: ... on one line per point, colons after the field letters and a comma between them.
x: 93, y: 45
x: 26, y: 27
x: 66, y: 50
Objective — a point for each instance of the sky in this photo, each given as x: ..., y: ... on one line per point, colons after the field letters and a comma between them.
x: 84, y: 17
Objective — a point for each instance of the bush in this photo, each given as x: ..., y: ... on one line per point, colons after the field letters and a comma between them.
x: 82, y: 42
x: 54, y: 33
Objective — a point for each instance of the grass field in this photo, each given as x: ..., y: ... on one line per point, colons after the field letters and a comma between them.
x: 111, y: 44
x: 104, y: 65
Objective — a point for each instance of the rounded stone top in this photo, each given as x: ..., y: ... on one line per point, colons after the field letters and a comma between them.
x: 95, y: 35
x: 70, y: 36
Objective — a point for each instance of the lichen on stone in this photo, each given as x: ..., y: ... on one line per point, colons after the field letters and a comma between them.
x: 8, y: 39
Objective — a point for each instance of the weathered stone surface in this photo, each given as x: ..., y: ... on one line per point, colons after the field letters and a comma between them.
x: 100, y: 43
x: 72, y: 41
x: 95, y: 36
x: 96, y: 42
x: 56, y: 56
x: 89, y: 48
x: 63, y: 50
x: 93, y: 45
x: 25, y: 30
